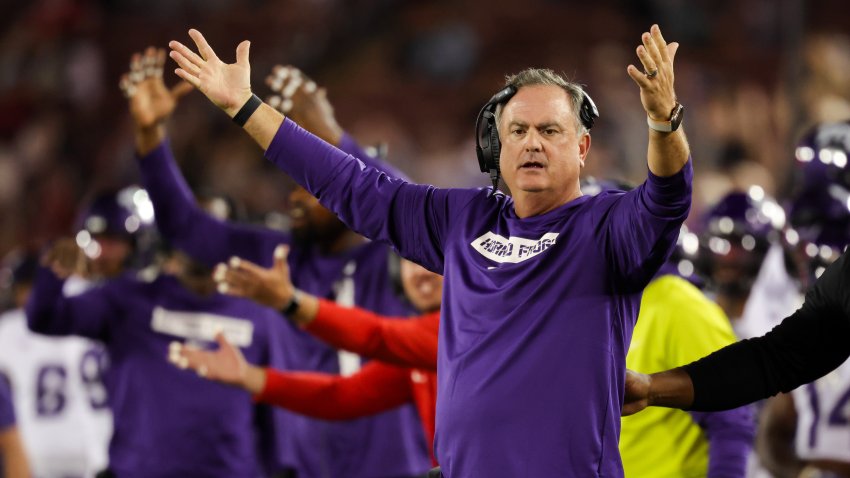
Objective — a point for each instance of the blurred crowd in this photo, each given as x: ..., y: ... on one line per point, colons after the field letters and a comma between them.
x: 411, y: 76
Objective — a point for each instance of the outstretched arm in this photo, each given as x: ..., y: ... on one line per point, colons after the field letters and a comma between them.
x: 802, y: 348
x: 642, y: 226
x: 375, y: 388
x: 413, y: 218
x: 411, y: 343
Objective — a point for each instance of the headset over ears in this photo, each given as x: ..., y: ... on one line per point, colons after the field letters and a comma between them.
x: 488, y: 146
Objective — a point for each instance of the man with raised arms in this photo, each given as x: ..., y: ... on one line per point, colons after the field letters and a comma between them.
x: 532, y: 341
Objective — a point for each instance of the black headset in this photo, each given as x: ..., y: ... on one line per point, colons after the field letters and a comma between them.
x: 488, y: 146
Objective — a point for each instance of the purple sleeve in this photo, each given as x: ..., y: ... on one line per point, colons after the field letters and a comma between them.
x: 7, y: 409
x: 49, y: 312
x: 186, y: 226
x: 350, y: 146
x: 730, y: 438
x: 641, y: 226
x: 414, y: 218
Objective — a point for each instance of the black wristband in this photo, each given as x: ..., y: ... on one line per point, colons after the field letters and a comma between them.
x: 293, y: 305
x: 247, y: 110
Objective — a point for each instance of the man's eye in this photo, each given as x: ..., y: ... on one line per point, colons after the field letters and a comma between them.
x: 550, y: 132
x: 517, y: 131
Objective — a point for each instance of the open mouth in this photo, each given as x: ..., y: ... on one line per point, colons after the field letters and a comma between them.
x: 531, y: 165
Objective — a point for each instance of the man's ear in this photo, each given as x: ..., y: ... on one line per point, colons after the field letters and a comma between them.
x: 583, y: 147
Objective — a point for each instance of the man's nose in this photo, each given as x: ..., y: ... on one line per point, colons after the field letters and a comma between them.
x: 533, y: 141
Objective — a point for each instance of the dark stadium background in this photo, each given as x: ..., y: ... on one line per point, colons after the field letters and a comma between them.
x: 752, y: 74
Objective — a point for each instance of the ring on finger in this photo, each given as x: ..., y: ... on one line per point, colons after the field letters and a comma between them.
x: 652, y: 73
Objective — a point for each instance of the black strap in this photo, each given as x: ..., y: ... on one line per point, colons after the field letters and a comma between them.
x: 247, y: 110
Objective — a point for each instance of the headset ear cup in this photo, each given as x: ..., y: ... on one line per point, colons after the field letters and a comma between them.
x: 589, y: 112
x: 495, y: 148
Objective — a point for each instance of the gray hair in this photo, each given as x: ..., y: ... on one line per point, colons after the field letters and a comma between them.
x: 545, y: 76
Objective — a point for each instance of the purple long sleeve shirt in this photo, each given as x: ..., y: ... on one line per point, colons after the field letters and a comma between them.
x: 730, y: 436
x: 167, y: 421
x: 388, y: 445
x: 7, y: 409
x: 537, y: 312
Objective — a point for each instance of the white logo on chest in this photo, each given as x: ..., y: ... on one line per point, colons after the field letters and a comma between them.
x: 512, y: 249
x: 202, y: 326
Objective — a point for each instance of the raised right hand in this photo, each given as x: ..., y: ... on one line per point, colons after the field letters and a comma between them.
x: 65, y: 258
x: 228, y: 86
x: 151, y: 102
x: 270, y: 287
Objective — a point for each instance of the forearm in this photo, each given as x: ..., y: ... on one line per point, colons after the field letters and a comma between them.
x: 410, y: 343
x: 187, y: 226
x: 346, y: 328
x: 179, y: 218
x: 49, y: 312
x: 308, y: 307
x: 730, y: 437
x: 667, y: 152
x: 41, y: 307
x: 147, y: 139
x: 801, y: 349
x: 332, y: 397
x: 263, y: 125
x: 671, y: 389
x: 14, y: 458
x: 255, y: 380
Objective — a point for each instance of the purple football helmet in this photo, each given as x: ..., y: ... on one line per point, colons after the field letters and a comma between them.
x: 736, y: 235
x: 117, y: 231
x: 822, y: 190
x: 819, y: 209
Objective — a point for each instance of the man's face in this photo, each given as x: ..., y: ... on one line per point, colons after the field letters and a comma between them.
x: 423, y: 288
x: 114, y: 252
x: 310, y: 220
x: 541, y: 149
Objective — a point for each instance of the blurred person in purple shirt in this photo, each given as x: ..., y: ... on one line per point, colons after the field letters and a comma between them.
x: 166, y: 422
x: 541, y: 289
x: 327, y: 260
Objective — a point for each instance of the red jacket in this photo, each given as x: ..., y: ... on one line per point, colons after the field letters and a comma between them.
x: 404, y: 369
